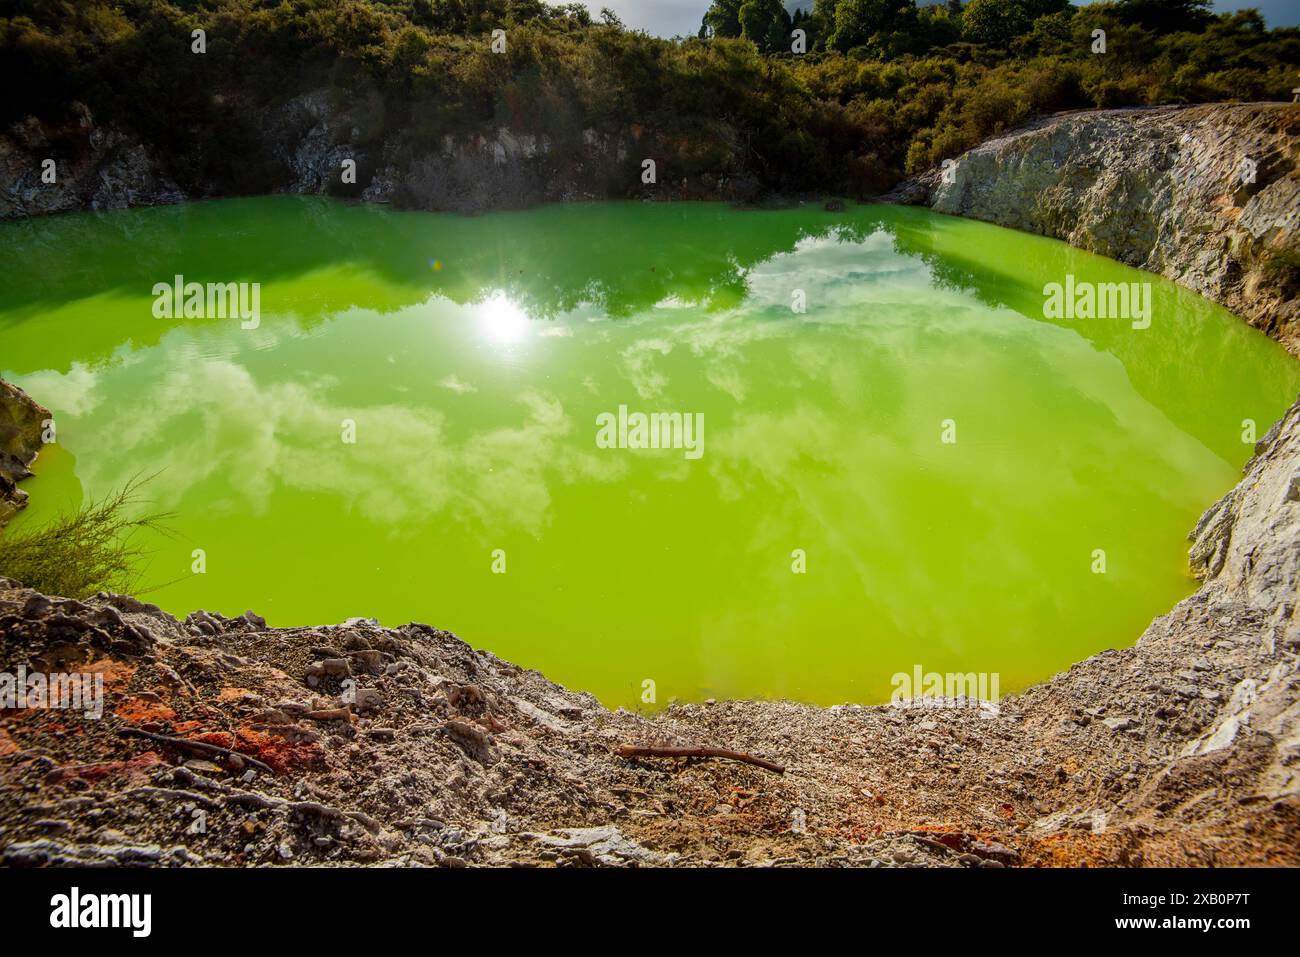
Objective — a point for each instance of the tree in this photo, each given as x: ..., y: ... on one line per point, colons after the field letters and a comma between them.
x: 723, y: 18
x: 857, y: 21
x: 1166, y: 16
x: 998, y: 22
x: 765, y: 24
x: 820, y: 23
x: 579, y: 13
x: 995, y: 22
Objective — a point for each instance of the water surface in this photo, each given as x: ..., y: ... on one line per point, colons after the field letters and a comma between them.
x: 474, y: 355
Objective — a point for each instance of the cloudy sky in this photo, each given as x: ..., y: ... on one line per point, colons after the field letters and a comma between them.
x: 672, y: 17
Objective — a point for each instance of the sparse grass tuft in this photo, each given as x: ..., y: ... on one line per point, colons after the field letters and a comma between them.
x: 82, y: 552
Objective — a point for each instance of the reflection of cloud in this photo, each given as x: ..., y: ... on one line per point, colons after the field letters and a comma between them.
x: 638, y: 363
x: 727, y: 378
x: 75, y: 389
x: 833, y: 271
x: 674, y: 303
x: 457, y: 385
x: 209, y: 419
x: 858, y: 292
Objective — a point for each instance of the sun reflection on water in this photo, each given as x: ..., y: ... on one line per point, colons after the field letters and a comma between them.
x: 502, y: 320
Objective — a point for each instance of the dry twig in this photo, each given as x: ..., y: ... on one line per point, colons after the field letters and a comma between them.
x: 638, y: 751
x: 201, y: 747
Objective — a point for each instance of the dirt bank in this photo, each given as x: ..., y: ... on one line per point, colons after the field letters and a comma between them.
x: 365, y: 744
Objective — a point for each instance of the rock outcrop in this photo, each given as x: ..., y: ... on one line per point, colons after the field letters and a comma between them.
x: 93, y: 168
x: 312, y: 138
x: 22, y: 425
x: 302, y: 145
x: 1208, y: 196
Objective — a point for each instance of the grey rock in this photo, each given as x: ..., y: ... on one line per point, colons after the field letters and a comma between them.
x: 601, y: 845
x: 21, y: 428
x: 1157, y: 188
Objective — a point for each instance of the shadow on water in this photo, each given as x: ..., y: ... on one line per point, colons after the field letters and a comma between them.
x: 622, y: 257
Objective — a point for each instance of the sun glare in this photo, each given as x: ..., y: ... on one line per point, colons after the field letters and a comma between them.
x: 501, y: 319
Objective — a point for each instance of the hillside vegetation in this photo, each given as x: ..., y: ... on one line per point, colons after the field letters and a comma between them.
x: 884, y: 88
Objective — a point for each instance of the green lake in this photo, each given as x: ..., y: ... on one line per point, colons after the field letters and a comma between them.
x: 914, y: 468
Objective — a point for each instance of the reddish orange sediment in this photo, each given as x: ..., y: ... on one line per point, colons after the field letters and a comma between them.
x: 139, y: 711
x: 137, y: 767
x: 276, y: 752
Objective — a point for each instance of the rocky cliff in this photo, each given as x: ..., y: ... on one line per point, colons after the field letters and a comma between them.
x: 93, y: 167
x: 1208, y: 196
x: 302, y: 145
x: 22, y: 424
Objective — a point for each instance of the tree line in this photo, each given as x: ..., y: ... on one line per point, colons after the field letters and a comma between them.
x: 882, y: 87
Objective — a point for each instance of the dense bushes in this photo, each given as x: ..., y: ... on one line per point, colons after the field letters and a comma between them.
x: 884, y: 88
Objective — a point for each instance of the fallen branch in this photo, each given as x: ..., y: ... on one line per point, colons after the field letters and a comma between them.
x: 330, y: 714
x: 638, y: 751
x: 198, y: 747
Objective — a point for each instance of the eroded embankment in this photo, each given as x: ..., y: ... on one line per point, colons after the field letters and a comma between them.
x: 406, y: 745
x: 1208, y: 196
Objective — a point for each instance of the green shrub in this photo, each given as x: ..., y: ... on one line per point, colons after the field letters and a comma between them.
x: 85, y: 551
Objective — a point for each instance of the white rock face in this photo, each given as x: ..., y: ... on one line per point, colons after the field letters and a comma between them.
x: 1247, y: 546
x: 1208, y: 196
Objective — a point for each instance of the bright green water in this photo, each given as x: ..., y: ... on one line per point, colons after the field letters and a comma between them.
x: 475, y: 386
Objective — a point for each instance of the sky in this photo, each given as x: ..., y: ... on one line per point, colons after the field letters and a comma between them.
x: 668, y: 18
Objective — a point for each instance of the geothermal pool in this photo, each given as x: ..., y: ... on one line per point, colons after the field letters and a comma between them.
x: 654, y: 451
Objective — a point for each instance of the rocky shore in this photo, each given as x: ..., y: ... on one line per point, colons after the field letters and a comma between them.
x: 1208, y: 196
